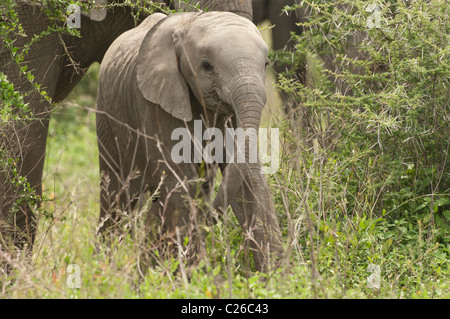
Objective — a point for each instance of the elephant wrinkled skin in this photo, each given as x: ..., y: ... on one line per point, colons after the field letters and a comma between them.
x: 162, y: 76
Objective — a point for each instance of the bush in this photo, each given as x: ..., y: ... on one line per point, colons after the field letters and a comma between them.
x: 366, y: 166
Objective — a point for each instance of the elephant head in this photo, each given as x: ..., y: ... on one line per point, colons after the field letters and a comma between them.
x: 222, y: 58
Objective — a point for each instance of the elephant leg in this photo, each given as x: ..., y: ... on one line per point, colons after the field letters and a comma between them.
x: 285, y: 24
x: 23, y: 142
x: 118, y: 198
x: 172, y: 207
x: 26, y: 145
x: 259, y: 10
x: 21, y: 188
x: 174, y: 219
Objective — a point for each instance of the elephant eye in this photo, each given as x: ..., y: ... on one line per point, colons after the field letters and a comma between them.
x: 207, y: 66
x: 267, y: 64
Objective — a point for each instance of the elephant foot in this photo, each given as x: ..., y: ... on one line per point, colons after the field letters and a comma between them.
x: 18, y: 230
x: 16, y: 241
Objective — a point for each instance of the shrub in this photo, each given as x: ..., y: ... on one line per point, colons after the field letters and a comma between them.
x: 366, y: 166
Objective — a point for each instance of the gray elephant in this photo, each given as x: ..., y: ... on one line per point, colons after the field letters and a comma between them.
x: 57, y: 62
x: 186, y: 71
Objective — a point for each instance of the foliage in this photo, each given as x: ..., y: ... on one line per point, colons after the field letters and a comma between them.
x: 364, y: 178
x: 369, y: 161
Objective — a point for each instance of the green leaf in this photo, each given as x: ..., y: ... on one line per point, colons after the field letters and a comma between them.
x: 446, y: 214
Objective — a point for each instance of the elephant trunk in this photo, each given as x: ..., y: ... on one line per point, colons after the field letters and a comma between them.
x: 245, y: 188
x: 248, y: 101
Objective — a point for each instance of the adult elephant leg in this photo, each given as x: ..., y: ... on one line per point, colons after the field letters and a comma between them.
x: 32, y: 168
x: 24, y: 143
x: 259, y: 11
x: 285, y: 23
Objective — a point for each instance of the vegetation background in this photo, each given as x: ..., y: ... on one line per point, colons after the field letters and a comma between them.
x: 364, y: 177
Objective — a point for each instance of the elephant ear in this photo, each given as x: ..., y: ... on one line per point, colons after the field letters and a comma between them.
x: 98, y: 11
x: 158, y: 71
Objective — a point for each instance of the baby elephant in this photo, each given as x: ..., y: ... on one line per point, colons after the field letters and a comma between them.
x: 194, y: 75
